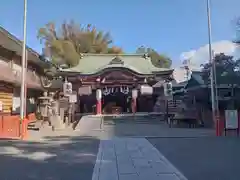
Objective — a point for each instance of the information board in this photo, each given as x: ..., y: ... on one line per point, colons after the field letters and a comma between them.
x: 67, y: 88
x: 231, y: 119
x: 73, y: 98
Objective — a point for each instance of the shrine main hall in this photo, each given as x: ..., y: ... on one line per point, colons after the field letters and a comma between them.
x: 109, y: 84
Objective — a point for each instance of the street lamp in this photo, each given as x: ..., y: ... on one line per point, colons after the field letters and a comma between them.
x: 215, y: 114
x: 23, y: 73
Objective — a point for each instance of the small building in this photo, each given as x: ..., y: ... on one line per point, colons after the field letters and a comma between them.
x: 196, y: 95
x: 116, y: 76
x: 10, y: 74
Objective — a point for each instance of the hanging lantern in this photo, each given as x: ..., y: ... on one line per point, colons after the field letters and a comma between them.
x: 145, y: 80
x: 99, y: 94
x: 98, y: 79
x: 67, y: 88
x: 146, y: 90
x: 134, y: 93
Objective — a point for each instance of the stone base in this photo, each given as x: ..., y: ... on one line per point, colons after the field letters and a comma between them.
x: 57, y: 122
x: 231, y: 133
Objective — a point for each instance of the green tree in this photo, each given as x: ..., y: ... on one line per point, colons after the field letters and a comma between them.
x: 227, y: 72
x: 66, y: 44
x: 158, y: 60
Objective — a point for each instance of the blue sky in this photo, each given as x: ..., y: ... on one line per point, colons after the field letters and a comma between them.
x: 169, y: 26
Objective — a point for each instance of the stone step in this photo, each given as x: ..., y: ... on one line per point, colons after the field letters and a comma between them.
x: 135, y: 120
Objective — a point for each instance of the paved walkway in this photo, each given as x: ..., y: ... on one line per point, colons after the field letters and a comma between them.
x: 132, y: 159
x: 90, y: 126
x: 55, y: 158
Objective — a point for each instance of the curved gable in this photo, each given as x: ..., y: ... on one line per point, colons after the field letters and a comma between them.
x: 92, y: 64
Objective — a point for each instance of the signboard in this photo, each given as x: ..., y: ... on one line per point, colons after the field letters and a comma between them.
x: 1, y: 106
x: 63, y: 103
x: 15, y: 103
x: 67, y: 88
x: 146, y: 90
x: 84, y: 90
x: 73, y: 98
x: 231, y: 119
x: 167, y: 89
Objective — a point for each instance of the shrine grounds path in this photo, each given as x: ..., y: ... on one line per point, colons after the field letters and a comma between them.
x: 146, y: 150
x: 55, y: 158
x: 202, y: 158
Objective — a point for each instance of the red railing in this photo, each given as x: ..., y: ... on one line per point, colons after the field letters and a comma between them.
x: 12, y: 128
x: 9, y: 126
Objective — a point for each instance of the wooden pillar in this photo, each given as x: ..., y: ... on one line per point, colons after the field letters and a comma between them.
x: 99, y: 102
x: 134, y: 105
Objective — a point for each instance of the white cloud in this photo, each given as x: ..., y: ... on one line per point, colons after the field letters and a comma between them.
x: 195, y: 58
x: 201, y: 55
x: 187, y: 55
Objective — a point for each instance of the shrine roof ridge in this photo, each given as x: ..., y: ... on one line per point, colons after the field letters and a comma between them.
x: 105, y: 54
x: 90, y: 64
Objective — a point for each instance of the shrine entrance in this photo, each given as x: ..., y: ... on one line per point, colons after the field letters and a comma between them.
x: 112, y: 84
x: 116, y: 100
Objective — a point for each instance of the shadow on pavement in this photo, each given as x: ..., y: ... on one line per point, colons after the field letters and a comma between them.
x: 150, y: 127
x: 202, y: 158
x: 110, y: 126
x: 56, y: 158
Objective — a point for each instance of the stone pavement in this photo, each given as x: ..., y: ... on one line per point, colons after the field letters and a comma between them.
x: 90, y: 126
x: 54, y: 158
x: 132, y: 159
x: 202, y: 158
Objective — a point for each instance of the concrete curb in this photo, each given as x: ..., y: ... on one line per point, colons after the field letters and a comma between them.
x: 151, y: 137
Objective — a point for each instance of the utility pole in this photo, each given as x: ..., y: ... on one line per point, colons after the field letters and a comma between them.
x: 23, y: 73
x: 216, y: 86
x: 215, y: 114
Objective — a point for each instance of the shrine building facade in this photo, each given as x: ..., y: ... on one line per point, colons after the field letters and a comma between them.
x: 109, y: 84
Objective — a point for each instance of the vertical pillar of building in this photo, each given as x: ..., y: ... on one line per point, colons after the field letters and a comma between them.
x: 99, y: 102
x: 134, y: 105
x: 134, y: 100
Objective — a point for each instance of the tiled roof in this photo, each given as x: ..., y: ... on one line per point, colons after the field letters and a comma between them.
x: 93, y: 63
x: 10, y: 42
x: 197, y: 75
